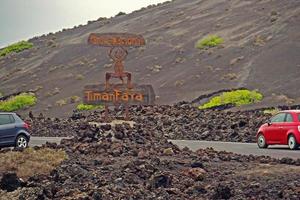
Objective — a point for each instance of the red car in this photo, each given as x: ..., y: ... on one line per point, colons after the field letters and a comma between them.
x: 283, y: 128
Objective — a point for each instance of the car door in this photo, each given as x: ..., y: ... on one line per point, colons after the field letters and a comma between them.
x: 288, y: 125
x: 275, y: 129
x: 7, y: 129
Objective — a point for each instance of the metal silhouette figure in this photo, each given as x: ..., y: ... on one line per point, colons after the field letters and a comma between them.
x: 117, y: 42
x: 118, y: 55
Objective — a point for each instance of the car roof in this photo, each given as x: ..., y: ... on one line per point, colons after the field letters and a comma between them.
x: 291, y: 111
x: 7, y: 113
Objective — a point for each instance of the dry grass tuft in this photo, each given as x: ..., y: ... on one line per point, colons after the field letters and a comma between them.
x: 268, y: 170
x: 31, y: 162
x: 61, y: 102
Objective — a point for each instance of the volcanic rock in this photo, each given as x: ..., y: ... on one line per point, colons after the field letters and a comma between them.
x: 10, y: 182
x: 222, y: 192
x: 161, y: 180
x: 196, y: 173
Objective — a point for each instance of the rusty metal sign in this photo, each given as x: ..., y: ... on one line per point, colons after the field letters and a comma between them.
x: 116, y: 40
x: 117, y: 94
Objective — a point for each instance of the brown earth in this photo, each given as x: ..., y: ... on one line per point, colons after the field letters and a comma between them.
x: 261, y: 51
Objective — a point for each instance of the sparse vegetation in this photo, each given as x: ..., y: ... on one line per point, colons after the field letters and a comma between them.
x: 74, y: 99
x: 18, y: 102
x: 54, y: 92
x: 230, y: 76
x: 120, y: 14
x: 82, y: 107
x: 180, y: 60
x: 284, y: 98
x: 271, y: 111
x: 259, y: 41
x: 179, y: 83
x: 237, y: 97
x: 31, y: 162
x: 51, y: 43
x: 79, y: 77
x: 61, y: 102
x: 235, y: 60
x: 17, y: 47
x: 209, y: 41
x: 37, y: 88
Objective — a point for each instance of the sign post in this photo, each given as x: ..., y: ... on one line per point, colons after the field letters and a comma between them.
x: 118, y: 94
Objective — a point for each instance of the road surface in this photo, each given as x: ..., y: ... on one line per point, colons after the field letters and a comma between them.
x: 275, y: 151
x: 38, y: 141
x: 235, y: 147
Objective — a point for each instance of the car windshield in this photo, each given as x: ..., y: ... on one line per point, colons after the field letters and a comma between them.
x: 278, y: 118
x: 299, y: 117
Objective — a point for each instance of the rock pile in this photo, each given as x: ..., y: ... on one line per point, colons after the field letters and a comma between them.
x: 132, y: 163
x: 181, y: 121
x: 55, y: 127
x: 187, y: 122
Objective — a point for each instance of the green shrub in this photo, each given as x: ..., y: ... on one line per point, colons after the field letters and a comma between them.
x: 209, y: 41
x: 82, y: 107
x: 120, y: 14
x: 272, y: 111
x: 17, y: 47
x: 237, y: 97
x: 18, y: 102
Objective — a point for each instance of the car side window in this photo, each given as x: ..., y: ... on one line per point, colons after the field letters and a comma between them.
x: 289, y: 118
x: 278, y: 118
x: 6, y: 119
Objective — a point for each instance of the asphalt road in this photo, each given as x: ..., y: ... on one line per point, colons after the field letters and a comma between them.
x: 39, y: 141
x: 275, y: 151
x: 235, y: 147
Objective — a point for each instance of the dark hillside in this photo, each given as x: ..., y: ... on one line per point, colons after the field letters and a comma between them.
x: 260, y: 51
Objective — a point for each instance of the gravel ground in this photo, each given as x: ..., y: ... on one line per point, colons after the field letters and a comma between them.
x: 132, y: 163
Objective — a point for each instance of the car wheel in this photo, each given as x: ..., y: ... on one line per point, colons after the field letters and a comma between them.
x: 21, y: 142
x: 261, y: 141
x: 292, y: 142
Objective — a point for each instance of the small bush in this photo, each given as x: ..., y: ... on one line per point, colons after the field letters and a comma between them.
x: 79, y: 77
x: 17, y: 47
x: 237, y: 97
x: 74, y: 99
x: 230, y: 76
x: 18, y: 102
x: 61, y: 102
x: 271, y: 111
x: 120, y: 14
x: 209, y: 41
x: 82, y: 107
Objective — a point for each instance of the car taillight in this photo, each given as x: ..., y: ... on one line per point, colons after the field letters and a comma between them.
x: 26, y: 125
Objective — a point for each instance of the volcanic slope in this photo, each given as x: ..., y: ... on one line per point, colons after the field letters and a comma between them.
x: 260, y: 51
